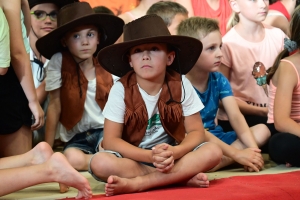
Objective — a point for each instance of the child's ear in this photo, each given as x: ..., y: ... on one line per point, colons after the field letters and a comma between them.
x: 63, y: 42
x: 234, y: 6
x: 129, y: 60
x: 170, y: 58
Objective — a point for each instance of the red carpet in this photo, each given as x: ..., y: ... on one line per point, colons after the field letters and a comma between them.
x: 284, y: 186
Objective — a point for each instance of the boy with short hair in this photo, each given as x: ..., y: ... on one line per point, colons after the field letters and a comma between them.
x: 171, y: 12
x: 212, y: 87
x: 77, y: 84
x: 148, y: 112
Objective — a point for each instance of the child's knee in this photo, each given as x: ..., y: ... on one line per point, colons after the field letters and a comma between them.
x: 261, y: 133
x: 76, y: 158
x: 212, y: 151
x: 102, y: 164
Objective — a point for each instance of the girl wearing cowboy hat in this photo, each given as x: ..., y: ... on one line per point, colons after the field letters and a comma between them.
x: 77, y: 84
x: 149, y: 112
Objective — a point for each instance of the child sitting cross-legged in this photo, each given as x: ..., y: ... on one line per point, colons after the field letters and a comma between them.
x: 212, y: 87
x: 148, y: 112
x: 78, y: 86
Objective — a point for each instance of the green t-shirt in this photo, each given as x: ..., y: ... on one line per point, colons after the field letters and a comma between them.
x: 4, y: 41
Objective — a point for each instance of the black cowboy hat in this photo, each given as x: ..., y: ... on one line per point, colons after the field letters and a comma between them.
x: 150, y: 29
x: 74, y: 15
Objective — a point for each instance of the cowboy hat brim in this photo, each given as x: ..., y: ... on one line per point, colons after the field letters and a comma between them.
x: 110, y: 30
x: 114, y: 58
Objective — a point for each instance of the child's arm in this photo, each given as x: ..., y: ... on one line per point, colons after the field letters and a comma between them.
x: 112, y: 140
x: 20, y: 59
x: 250, y: 157
x: 287, y: 80
x: 41, y: 93
x: 53, y: 113
x: 194, y: 137
x: 248, y: 109
x: 238, y: 122
x: 245, y: 108
x: 26, y: 12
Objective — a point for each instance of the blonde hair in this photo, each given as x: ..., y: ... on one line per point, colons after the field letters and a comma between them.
x: 197, y: 27
x: 167, y: 10
x: 232, y: 21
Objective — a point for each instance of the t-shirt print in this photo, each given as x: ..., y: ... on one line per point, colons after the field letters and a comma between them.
x: 154, y: 124
x: 260, y: 74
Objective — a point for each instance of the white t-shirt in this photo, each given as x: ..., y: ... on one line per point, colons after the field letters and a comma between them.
x: 155, y: 134
x: 37, y: 72
x: 92, y: 117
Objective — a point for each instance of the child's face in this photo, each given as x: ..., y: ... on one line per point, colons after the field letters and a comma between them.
x: 175, y: 22
x: 82, y: 41
x: 149, y: 61
x: 210, y: 58
x: 254, y: 10
x: 42, y: 26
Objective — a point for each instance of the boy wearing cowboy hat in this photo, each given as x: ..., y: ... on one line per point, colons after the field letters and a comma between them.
x: 43, y: 20
x: 77, y: 84
x: 148, y: 112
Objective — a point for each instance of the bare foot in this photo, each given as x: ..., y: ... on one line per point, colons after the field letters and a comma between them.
x: 62, y: 172
x: 288, y: 165
x: 40, y: 153
x: 225, y: 161
x: 199, y: 180
x: 116, y: 185
x: 63, y: 188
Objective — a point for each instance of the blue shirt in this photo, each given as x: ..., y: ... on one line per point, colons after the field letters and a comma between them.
x: 218, y: 87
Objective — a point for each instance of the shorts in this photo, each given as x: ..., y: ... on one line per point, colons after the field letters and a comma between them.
x: 120, y: 156
x: 87, y: 141
x: 227, y: 137
x: 14, y: 109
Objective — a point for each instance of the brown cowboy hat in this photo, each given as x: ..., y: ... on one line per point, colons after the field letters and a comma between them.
x: 149, y: 29
x: 74, y: 15
x: 58, y: 3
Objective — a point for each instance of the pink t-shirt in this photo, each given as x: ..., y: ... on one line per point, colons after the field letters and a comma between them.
x: 202, y: 9
x: 295, y: 108
x: 240, y: 55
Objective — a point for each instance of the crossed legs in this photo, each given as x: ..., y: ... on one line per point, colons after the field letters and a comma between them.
x: 127, y: 176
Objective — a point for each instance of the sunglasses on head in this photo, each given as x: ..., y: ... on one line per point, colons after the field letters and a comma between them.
x: 41, y: 15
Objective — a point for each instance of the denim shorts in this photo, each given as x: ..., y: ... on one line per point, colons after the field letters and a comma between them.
x: 87, y: 141
x: 120, y: 156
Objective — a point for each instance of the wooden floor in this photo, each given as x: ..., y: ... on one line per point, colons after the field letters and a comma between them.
x: 51, y: 190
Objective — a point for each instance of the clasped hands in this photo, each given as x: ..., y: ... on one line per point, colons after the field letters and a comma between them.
x: 250, y: 158
x: 162, y: 157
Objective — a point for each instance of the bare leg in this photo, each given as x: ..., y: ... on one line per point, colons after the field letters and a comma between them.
x: 77, y: 158
x: 112, y: 164
x: 56, y: 169
x: 261, y: 134
x: 16, y: 143
x: 184, y: 170
x: 39, y: 154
